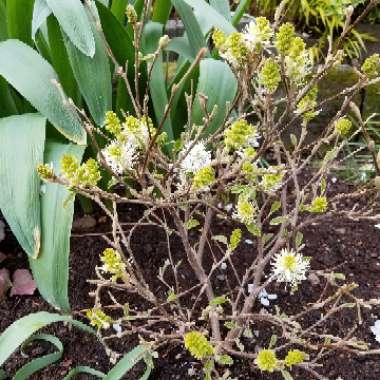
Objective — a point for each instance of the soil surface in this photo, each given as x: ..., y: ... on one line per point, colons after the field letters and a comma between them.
x: 349, y: 246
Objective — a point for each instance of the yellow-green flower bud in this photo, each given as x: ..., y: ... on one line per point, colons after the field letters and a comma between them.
x: 343, y: 127
x: 131, y: 14
x: 294, y: 357
x: 308, y: 102
x: 219, y: 38
x: 297, y: 46
x: 236, y: 49
x: 198, y: 345
x: 319, y: 205
x: 371, y: 66
x: 270, y: 75
x: 245, y: 210
x: 240, y: 134
x: 272, y: 181
x: 284, y: 37
x: 266, y: 360
x: 204, y: 177
x: 112, y: 123
x: 98, y: 318
x: 69, y: 167
x: 46, y: 172
x: 88, y: 173
x: 113, y: 263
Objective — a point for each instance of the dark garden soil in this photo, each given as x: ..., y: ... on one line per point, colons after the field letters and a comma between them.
x: 350, y: 247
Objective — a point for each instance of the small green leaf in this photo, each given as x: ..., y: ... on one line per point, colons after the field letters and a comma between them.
x: 221, y: 300
x: 299, y: 239
x: 192, y: 223
x: 225, y: 360
x: 275, y: 207
x: 220, y: 239
x: 278, y: 220
x: 254, y: 230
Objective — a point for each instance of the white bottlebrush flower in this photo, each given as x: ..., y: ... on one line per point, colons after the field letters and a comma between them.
x: 290, y: 267
x: 376, y: 330
x: 197, y: 158
x: 377, y: 226
x: 120, y: 157
x: 256, y: 36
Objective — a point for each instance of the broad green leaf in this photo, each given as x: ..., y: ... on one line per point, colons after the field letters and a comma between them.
x: 239, y: 12
x: 208, y: 17
x: 118, y: 8
x: 93, y: 76
x: 7, y: 103
x: 128, y: 362
x: 51, y: 269
x: 22, y: 329
x: 19, y: 20
x: 73, y: 20
x: 193, y: 29
x: 35, y: 365
x: 161, y: 11
x: 223, y: 7
x: 181, y: 46
x: 41, y: 12
x: 219, y: 85
x: 117, y: 37
x: 3, y: 21
x: 33, y: 78
x: 22, y: 140
x: 152, y: 33
x: 60, y: 60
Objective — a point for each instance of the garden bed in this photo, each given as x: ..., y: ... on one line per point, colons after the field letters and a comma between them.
x: 342, y: 245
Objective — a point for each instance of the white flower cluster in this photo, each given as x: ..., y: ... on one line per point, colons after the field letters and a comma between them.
x: 195, y: 159
x: 290, y: 267
x: 121, y: 154
x: 120, y: 157
x: 256, y: 36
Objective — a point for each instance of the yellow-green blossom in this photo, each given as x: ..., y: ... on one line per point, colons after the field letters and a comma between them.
x: 319, y: 205
x: 308, y: 103
x: 69, y: 166
x: 294, y: 357
x: 235, y: 49
x: 258, y: 33
x: 88, y: 173
x: 240, y: 135
x: 112, y: 123
x: 204, y: 177
x: 219, y: 38
x: 284, y: 37
x: 45, y: 171
x: 98, y: 318
x: 113, y: 263
x: 245, y: 210
x: 198, y: 345
x: 371, y: 66
x: 270, y: 75
x: 272, y: 180
x: 131, y: 14
x: 266, y: 360
x: 297, y: 47
x: 343, y: 126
